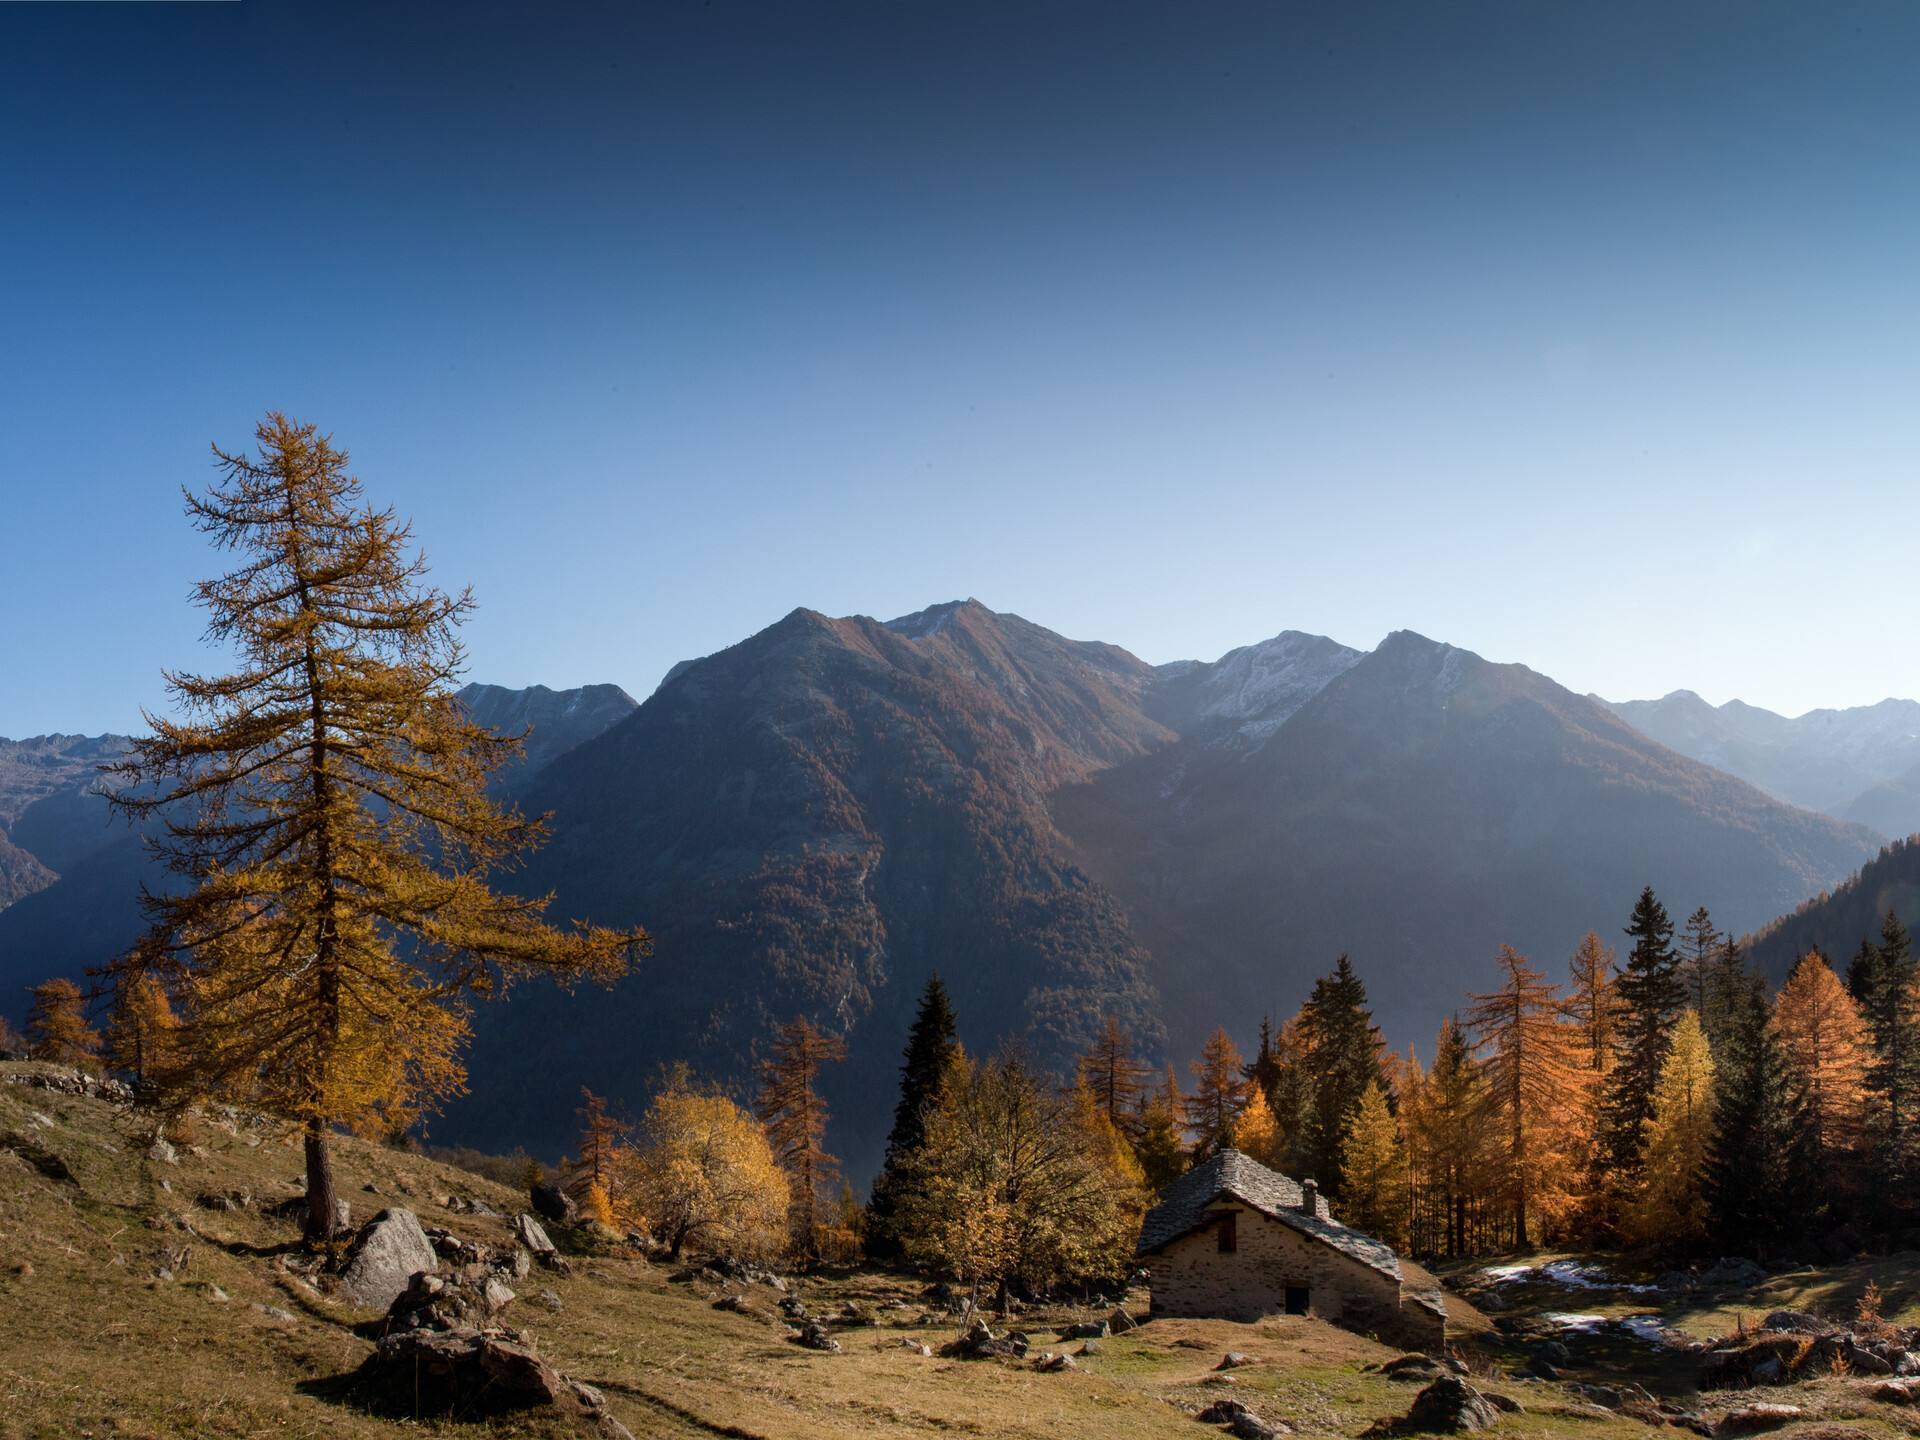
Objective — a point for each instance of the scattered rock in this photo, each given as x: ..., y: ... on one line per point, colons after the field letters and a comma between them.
x: 1233, y: 1359
x: 813, y: 1335
x: 1087, y: 1330
x: 1120, y: 1322
x: 1797, y: 1320
x: 1551, y: 1351
x: 1734, y: 1270
x: 1222, y: 1412
x: 1092, y: 1347
x: 533, y: 1237
x: 1449, y: 1405
x: 1770, y: 1371
x: 1505, y: 1404
x: 915, y: 1346
x: 553, y: 1203
x: 497, y: 1369
x: 1249, y: 1426
x: 273, y: 1312
x: 384, y: 1257
x: 215, y: 1293
x: 1053, y: 1364
x: 1415, y: 1369
x: 1751, y: 1418
x: 1893, y: 1392
x: 162, y: 1152
x: 980, y: 1343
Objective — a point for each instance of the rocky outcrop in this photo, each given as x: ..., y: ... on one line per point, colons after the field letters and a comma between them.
x: 385, y: 1257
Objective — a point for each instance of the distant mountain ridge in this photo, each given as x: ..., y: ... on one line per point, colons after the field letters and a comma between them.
x: 1860, y: 764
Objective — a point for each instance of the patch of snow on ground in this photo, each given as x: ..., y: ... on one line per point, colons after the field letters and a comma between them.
x: 1569, y: 1274
x: 1640, y: 1327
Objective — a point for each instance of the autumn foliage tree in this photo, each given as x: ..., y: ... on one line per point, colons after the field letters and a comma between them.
x: 57, y: 1028
x: 795, y: 1116
x: 1531, y: 1077
x: 1671, y: 1207
x: 1020, y: 1178
x: 327, y: 802
x: 1825, y: 1040
x: 592, y: 1182
x: 701, y: 1175
x: 1219, y: 1090
x: 143, y: 1031
x: 1114, y: 1078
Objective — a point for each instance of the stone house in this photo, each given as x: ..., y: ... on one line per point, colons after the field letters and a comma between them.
x: 1233, y: 1240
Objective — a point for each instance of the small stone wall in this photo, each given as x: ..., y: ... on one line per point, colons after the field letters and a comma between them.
x: 1193, y: 1277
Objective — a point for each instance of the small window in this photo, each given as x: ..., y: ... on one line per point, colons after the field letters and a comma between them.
x: 1229, y: 1234
x: 1296, y: 1299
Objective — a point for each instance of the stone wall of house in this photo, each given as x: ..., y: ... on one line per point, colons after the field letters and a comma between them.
x: 1192, y: 1276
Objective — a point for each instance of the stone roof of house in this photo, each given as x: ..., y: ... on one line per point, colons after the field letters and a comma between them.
x: 1185, y: 1201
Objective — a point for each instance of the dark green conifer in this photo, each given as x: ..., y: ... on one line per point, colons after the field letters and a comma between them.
x: 1264, y: 1069
x: 1345, y: 1046
x: 930, y: 1045
x: 1699, y: 946
x: 1761, y: 1167
x: 1726, y: 986
x: 1650, y: 997
x: 1891, y: 1008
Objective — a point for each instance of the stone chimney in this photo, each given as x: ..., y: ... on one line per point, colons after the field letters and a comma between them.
x: 1309, y: 1198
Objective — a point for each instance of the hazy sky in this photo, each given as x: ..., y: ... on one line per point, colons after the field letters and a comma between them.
x: 1580, y: 335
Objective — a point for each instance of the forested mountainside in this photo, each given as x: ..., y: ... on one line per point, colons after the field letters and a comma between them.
x: 1861, y: 764
x: 1835, y: 921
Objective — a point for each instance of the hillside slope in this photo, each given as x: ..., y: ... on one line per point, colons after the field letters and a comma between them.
x: 1837, y: 920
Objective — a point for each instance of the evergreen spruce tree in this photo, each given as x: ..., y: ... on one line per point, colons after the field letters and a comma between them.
x: 929, y: 1052
x: 1345, y: 1046
x: 1760, y: 1180
x: 1649, y: 997
x: 1699, y: 944
x: 1727, y: 983
x: 1263, y: 1071
x: 1890, y: 1005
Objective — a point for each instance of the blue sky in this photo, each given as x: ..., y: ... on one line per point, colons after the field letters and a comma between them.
x: 1583, y: 336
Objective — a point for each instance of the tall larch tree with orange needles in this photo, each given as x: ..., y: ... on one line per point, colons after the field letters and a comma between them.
x: 795, y: 1116
x: 1825, y: 1040
x: 1530, y: 1065
x: 601, y: 1135
x: 57, y: 1027
x: 1114, y: 1078
x: 1219, y: 1090
x: 327, y: 802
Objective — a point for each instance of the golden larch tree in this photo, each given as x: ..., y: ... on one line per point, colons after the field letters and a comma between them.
x: 1375, y: 1199
x: 1114, y: 1078
x: 1672, y: 1208
x: 1219, y: 1090
x: 327, y: 801
x: 57, y: 1028
x: 143, y: 1031
x: 789, y: 1105
x: 1825, y: 1036
x: 592, y: 1182
x: 1256, y: 1133
x: 1590, y: 1002
x: 1529, y: 1063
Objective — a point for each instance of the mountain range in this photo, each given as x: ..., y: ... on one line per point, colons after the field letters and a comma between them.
x: 818, y: 818
x: 1861, y: 764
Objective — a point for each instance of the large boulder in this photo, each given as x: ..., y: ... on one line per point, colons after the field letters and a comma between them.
x: 1450, y: 1405
x: 1750, y: 1419
x: 385, y: 1257
x: 553, y: 1203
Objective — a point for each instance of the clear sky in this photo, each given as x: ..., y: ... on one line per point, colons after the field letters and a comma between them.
x: 1581, y: 335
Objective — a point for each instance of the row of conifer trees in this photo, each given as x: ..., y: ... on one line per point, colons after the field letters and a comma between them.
x: 1670, y: 1102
